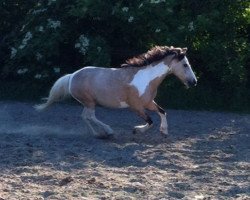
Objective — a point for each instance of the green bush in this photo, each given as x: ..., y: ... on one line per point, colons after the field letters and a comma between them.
x: 42, y: 40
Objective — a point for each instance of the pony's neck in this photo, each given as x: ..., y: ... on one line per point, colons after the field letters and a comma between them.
x: 152, y: 74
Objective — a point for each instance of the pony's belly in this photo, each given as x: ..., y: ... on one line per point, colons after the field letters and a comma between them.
x: 112, y: 95
x: 122, y: 104
x: 113, y: 103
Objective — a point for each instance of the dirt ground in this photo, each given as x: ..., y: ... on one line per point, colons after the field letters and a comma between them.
x: 51, y: 155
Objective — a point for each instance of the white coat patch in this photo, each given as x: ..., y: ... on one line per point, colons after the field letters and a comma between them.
x: 123, y: 104
x: 144, y: 76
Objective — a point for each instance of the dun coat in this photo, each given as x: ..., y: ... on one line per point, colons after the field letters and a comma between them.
x: 133, y: 85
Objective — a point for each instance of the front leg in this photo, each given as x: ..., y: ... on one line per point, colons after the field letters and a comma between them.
x: 143, y: 128
x: 161, y: 112
x: 89, y: 116
x: 164, y: 123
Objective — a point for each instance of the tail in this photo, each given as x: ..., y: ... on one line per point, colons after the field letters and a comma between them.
x: 58, y: 92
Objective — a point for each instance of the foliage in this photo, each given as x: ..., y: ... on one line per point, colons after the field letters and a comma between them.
x: 42, y: 40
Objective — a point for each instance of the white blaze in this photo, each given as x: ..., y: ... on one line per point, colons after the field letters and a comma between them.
x: 144, y: 76
x: 191, y: 73
x: 186, y: 61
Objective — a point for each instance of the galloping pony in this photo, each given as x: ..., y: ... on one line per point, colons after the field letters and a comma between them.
x: 133, y: 85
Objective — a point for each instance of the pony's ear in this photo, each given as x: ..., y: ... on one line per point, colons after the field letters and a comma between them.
x: 184, y: 50
x: 175, y: 54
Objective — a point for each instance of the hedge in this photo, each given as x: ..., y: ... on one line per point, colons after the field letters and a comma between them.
x: 42, y: 40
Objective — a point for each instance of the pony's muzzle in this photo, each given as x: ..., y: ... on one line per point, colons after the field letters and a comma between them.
x: 192, y: 83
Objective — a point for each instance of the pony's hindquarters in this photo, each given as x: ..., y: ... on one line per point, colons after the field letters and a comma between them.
x: 58, y: 92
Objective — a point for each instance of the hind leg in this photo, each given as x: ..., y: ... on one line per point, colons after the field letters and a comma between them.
x: 102, y: 125
x: 89, y: 116
x: 86, y: 119
x: 85, y: 98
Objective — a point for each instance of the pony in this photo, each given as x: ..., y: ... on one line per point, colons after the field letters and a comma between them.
x: 132, y: 85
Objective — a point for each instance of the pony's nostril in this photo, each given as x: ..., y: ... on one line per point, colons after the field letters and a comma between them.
x: 192, y: 82
x: 195, y: 82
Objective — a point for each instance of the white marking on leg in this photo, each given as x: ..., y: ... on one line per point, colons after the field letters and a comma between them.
x: 144, y: 76
x: 106, y: 127
x: 143, y: 128
x: 164, y: 124
x: 86, y: 117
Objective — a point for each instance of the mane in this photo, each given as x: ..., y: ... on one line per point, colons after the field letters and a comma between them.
x: 155, y: 54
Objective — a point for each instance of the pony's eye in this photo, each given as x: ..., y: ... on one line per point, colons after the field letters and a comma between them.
x: 185, y: 65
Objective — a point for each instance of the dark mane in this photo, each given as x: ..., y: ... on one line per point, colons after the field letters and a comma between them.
x: 155, y: 54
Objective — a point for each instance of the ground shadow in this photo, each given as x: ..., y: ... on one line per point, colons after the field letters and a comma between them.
x: 202, y: 145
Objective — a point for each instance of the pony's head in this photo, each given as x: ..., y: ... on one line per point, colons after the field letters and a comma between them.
x: 181, y: 68
x: 175, y: 59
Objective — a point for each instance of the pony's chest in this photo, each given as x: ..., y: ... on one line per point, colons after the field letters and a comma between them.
x: 143, y: 78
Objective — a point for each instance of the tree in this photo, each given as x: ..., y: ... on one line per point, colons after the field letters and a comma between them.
x: 44, y: 39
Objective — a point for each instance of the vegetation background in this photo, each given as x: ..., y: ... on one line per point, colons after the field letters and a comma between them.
x: 42, y: 40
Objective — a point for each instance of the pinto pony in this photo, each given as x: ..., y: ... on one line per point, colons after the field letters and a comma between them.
x: 133, y: 85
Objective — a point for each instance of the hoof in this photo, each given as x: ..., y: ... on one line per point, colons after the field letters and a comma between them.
x: 104, y: 136
x: 136, y: 131
x: 109, y: 131
x: 164, y: 130
x: 110, y: 136
x: 164, y: 135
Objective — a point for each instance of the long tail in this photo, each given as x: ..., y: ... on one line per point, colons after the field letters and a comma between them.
x: 58, y: 92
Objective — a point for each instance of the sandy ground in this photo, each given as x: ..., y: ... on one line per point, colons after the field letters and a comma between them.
x: 51, y: 155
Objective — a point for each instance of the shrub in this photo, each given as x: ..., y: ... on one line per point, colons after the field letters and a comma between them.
x: 42, y: 40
